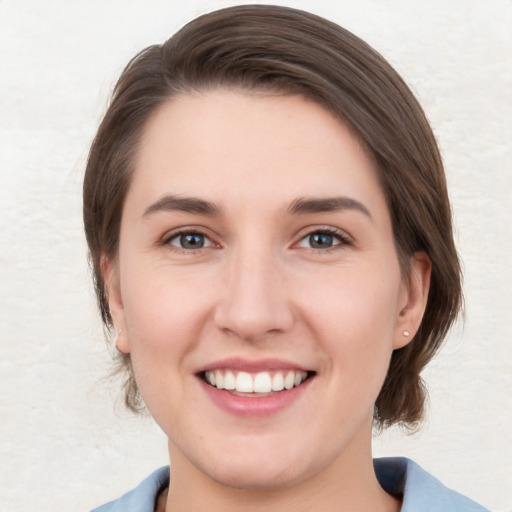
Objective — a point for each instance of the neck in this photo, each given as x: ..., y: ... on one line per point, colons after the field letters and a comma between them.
x: 348, y: 484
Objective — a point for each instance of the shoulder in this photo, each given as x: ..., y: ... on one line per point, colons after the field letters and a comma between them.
x: 421, y: 491
x: 142, y: 498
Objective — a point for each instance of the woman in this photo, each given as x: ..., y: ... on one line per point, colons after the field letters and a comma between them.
x: 270, y: 234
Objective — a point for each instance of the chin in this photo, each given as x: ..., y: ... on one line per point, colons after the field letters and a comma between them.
x: 257, y: 477
x: 266, y: 470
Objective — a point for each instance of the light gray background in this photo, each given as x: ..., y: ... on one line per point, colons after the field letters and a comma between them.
x: 63, y: 443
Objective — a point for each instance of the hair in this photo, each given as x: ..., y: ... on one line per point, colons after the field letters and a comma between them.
x: 270, y: 49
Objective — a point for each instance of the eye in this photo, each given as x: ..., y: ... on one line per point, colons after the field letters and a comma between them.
x: 323, y: 239
x: 190, y: 241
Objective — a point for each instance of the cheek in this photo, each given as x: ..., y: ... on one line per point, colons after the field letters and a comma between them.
x: 353, y: 316
x: 162, y: 326
x: 162, y: 314
x: 355, y: 301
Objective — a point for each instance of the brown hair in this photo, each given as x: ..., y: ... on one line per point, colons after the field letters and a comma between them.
x: 278, y: 49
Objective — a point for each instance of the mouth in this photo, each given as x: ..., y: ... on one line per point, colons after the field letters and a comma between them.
x: 255, y: 388
x: 255, y: 384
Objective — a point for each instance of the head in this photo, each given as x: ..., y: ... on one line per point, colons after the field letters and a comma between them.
x: 264, y: 50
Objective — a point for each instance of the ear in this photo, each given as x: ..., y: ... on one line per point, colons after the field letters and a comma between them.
x: 413, y: 300
x: 111, y: 279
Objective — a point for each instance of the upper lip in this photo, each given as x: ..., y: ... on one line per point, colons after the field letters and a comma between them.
x: 252, y: 365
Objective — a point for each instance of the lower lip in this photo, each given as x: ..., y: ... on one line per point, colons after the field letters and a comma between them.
x: 258, y: 406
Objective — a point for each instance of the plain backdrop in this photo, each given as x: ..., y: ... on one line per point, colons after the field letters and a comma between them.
x: 64, y: 443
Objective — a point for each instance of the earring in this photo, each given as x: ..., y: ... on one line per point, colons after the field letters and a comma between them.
x: 406, y: 333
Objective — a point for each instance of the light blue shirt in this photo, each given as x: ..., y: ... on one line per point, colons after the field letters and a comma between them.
x: 400, y: 476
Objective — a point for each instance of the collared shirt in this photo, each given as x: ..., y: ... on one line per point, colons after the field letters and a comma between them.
x: 399, y: 476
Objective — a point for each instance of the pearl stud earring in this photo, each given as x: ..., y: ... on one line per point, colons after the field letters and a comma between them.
x: 406, y: 333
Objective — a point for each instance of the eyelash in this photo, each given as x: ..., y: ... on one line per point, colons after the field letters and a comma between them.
x: 166, y: 241
x: 343, y: 239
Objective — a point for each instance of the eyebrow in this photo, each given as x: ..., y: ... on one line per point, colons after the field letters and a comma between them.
x: 304, y: 205
x: 183, y: 204
x: 299, y: 206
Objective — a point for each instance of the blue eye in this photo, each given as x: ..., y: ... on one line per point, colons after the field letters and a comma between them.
x: 190, y: 241
x: 322, y: 240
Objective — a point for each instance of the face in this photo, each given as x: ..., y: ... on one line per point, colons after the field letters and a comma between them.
x: 258, y: 288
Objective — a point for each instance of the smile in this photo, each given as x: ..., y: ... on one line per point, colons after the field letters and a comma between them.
x: 255, y: 383
x: 255, y: 388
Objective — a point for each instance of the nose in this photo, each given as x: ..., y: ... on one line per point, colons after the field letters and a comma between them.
x: 255, y: 302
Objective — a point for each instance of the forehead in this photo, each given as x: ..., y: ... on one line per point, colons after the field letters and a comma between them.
x: 231, y: 146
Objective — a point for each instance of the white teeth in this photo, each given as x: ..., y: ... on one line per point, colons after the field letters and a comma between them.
x: 229, y: 381
x: 244, y: 382
x: 219, y: 379
x: 278, y: 382
x: 261, y: 382
x: 289, y: 380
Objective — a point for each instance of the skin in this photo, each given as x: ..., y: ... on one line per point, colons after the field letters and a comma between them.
x: 258, y: 289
